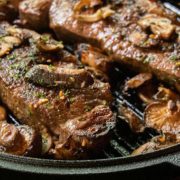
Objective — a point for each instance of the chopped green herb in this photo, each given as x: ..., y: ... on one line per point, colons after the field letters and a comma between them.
x: 87, y: 108
x: 40, y: 95
x: 174, y: 57
x: 148, y: 59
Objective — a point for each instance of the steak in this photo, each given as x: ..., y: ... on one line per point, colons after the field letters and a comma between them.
x: 9, y: 9
x: 34, y: 14
x: 140, y: 34
x: 33, y: 86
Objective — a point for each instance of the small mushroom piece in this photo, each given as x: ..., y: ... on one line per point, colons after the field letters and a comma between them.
x: 47, y: 76
x: 47, y: 44
x: 147, y: 92
x: 46, y: 142
x: 19, y: 140
x: 32, y: 141
x: 161, y: 26
x: 86, y: 3
x: 137, y: 81
x: 3, y: 114
x: 14, y: 41
x: 165, y: 94
x: 7, y: 43
x: 8, y: 135
x: 94, y: 57
x: 134, y: 122
x: 163, y: 116
x: 157, y: 143
x: 100, y: 14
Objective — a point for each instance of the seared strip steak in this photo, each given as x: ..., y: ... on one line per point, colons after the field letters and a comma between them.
x: 34, y: 14
x: 140, y: 34
x: 78, y: 114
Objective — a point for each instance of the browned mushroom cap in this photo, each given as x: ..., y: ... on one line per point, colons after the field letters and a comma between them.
x: 151, y: 93
x: 134, y: 122
x: 160, y: 26
x: 47, y: 76
x: 47, y: 44
x: 137, y: 81
x: 7, y: 43
x: 46, y: 142
x: 3, y: 114
x: 8, y: 135
x: 157, y: 143
x: 94, y: 57
x: 33, y: 141
x: 86, y: 3
x: 21, y: 140
x: 147, y: 92
x: 166, y: 94
x: 163, y: 116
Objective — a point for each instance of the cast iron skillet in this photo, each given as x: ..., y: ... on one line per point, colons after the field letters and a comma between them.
x: 169, y: 156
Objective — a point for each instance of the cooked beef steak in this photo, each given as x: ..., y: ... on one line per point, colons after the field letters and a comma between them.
x: 79, y: 113
x: 141, y: 34
x: 9, y: 9
x: 34, y: 14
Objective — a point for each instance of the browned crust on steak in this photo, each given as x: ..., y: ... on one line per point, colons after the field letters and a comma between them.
x: 112, y: 35
x: 49, y: 108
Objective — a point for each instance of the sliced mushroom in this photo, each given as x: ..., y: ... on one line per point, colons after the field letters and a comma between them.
x: 100, y: 14
x: 86, y: 3
x: 33, y: 142
x: 46, y: 142
x: 157, y: 143
x: 3, y: 114
x: 147, y: 92
x: 8, y: 135
x: 163, y: 116
x: 137, y: 81
x: 151, y: 93
x: 161, y: 26
x: 165, y: 94
x: 134, y: 122
x: 47, y: 76
x: 47, y: 44
x: 94, y: 57
x: 7, y: 43
x: 19, y: 140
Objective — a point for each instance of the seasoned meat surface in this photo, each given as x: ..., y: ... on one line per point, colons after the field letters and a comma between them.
x: 64, y: 111
x: 140, y: 34
x: 34, y: 14
x: 9, y: 9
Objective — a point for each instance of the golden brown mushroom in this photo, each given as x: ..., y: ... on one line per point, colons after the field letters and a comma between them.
x: 137, y: 81
x: 157, y: 143
x: 46, y: 44
x: 3, y: 114
x: 163, y: 116
x: 134, y: 122
x: 19, y: 140
x: 160, y: 26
